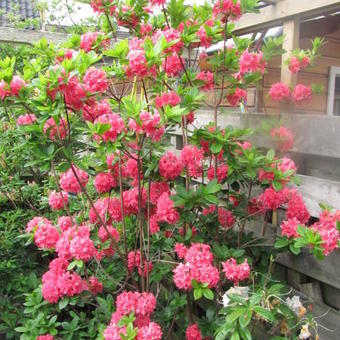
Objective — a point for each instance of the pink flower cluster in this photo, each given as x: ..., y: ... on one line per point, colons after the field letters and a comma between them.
x: 279, y: 92
x: 225, y: 218
x: 90, y: 41
x: 289, y: 228
x: 235, y: 97
x: 12, y: 89
x: 170, y: 166
x: 96, y: 109
x: 134, y: 261
x: 222, y: 172
x: 227, y: 9
x: 27, y: 119
x: 106, y: 210
x: 252, y: 62
x: 168, y: 98
x: 173, y: 65
x: 58, y: 200
x: 55, y: 131
x: 45, y: 337
x: 193, y: 332
x: 198, y: 265
x: 192, y: 159
x: 302, y: 93
x: 95, y: 80
x: 101, y: 6
x: 297, y: 64
x: 166, y: 211
x: 70, y: 182
x: 104, y: 182
x: 236, y: 272
x: 116, y: 126
x: 142, y: 306
x: 207, y: 78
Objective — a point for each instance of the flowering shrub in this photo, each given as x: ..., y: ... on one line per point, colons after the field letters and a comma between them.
x: 136, y: 223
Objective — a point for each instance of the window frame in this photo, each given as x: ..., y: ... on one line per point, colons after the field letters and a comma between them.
x: 334, y: 71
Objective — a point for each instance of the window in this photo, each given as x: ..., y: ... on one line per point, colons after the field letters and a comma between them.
x: 333, y: 105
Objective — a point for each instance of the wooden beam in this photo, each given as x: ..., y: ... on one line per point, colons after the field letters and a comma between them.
x: 276, y: 14
x: 291, y: 32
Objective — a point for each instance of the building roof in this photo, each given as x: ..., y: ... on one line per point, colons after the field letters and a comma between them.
x: 19, y: 9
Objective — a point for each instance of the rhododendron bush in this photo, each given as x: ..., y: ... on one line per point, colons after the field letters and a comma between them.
x: 158, y: 237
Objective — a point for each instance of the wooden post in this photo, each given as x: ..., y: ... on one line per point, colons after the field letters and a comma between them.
x: 291, y: 32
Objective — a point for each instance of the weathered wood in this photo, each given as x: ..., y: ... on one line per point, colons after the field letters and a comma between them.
x: 327, y: 271
x: 276, y: 14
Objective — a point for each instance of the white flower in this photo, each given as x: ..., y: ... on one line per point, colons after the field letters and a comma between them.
x: 305, y: 333
x: 294, y: 304
x: 242, y: 291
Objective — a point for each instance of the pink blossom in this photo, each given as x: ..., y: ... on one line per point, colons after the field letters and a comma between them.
x: 251, y: 62
x: 55, y: 131
x: 58, y: 200
x: 193, y: 332
x: 225, y: 218
x: 101, y: 6
x: 16, y: 85
x: 234, y: 98
x: 302, y: 93
x: 289, y: 228
x: 82, y: 248
x: 132, y: 198
x: 207, y: 78
x: 172, y: 65
x: 168, y: 98
x: 271, y: 199
x: 170, y: 166
x: 46, y: 236
x: 108, y: 209
x: 150, y: 332
x: 45, y: 337
x: 93, y: 111
x: 296, y: 207
x: 192, y: 158
x: 70, y: 284
x: 104, y: 236
x: 236, y: 272
x: 222, y: 172
x: 64, y: 223
x: 35, y: 223
x: 227, y: 8
x: 95, y: 286
x: 181, y: 250
x: 279, y: 92
x: 95, y: 80
x: 27, y: 119
x: 154, y: 227
x: 88, y: 41
x: 202, y: 35
x: 69, y: 182
x: 116, y: 126
x: 104, y: 182
x: 294, y: 65
x: 157, y: 189
x: 166, y: 211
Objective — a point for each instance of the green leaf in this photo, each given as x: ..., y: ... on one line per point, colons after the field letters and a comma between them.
x: 281, y: 243
x: 264, y: 313
x: 270, y: 154
x: 216, y: 148
x: 235, y: 336
x: 245, y: 319
x: 208, y: 294
x: 197, y: 293
x: 63, y: 303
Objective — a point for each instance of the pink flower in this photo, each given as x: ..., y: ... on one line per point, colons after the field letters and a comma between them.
x: 157, y: 189
x: 35, y: 223
x: 235, y: 272
x: 172, y: 65
x: 95, y: 80
x: 169, y: 98
x: 116, y: 126
x: 104, y: 182
x: 16, y: 85
x: 225, y: 218
x: 193, y: 333
x: 69, y: 182
x: 279, y: 92
x: 154, y: 227
x: 192, y: 158
x: 166, y: 211
x: 89, y: 40
x: 294, y: 65
x: 283, y: 137
x: 45, y: 337
x: 170, y: 166
x: 27, y: 119
x: 104, y: 236
x: 252, y: 62
x: 157, y: 2
x: 55, y: 131
x: 4, y: 90
x: 296, y: 207
x: 82, y: 248
x: 207, y: 78
x: 58, y: 200
x: 108, y: 209
x: 150, y: 332
x: 289, y: 228
x: 302, y: 93
x: 95, y: 286
x: 181, y: 250
x: 64, y: 223
x: 93, y: 111
x: 70, y: 284
x: 100, y: 6
x: 227, y: 8
x: 222, y: 172
x: 271, y: 199
x: 46, y: 236
x: 74, y: 93
x: 234, y: 98
x: 202, y: 35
